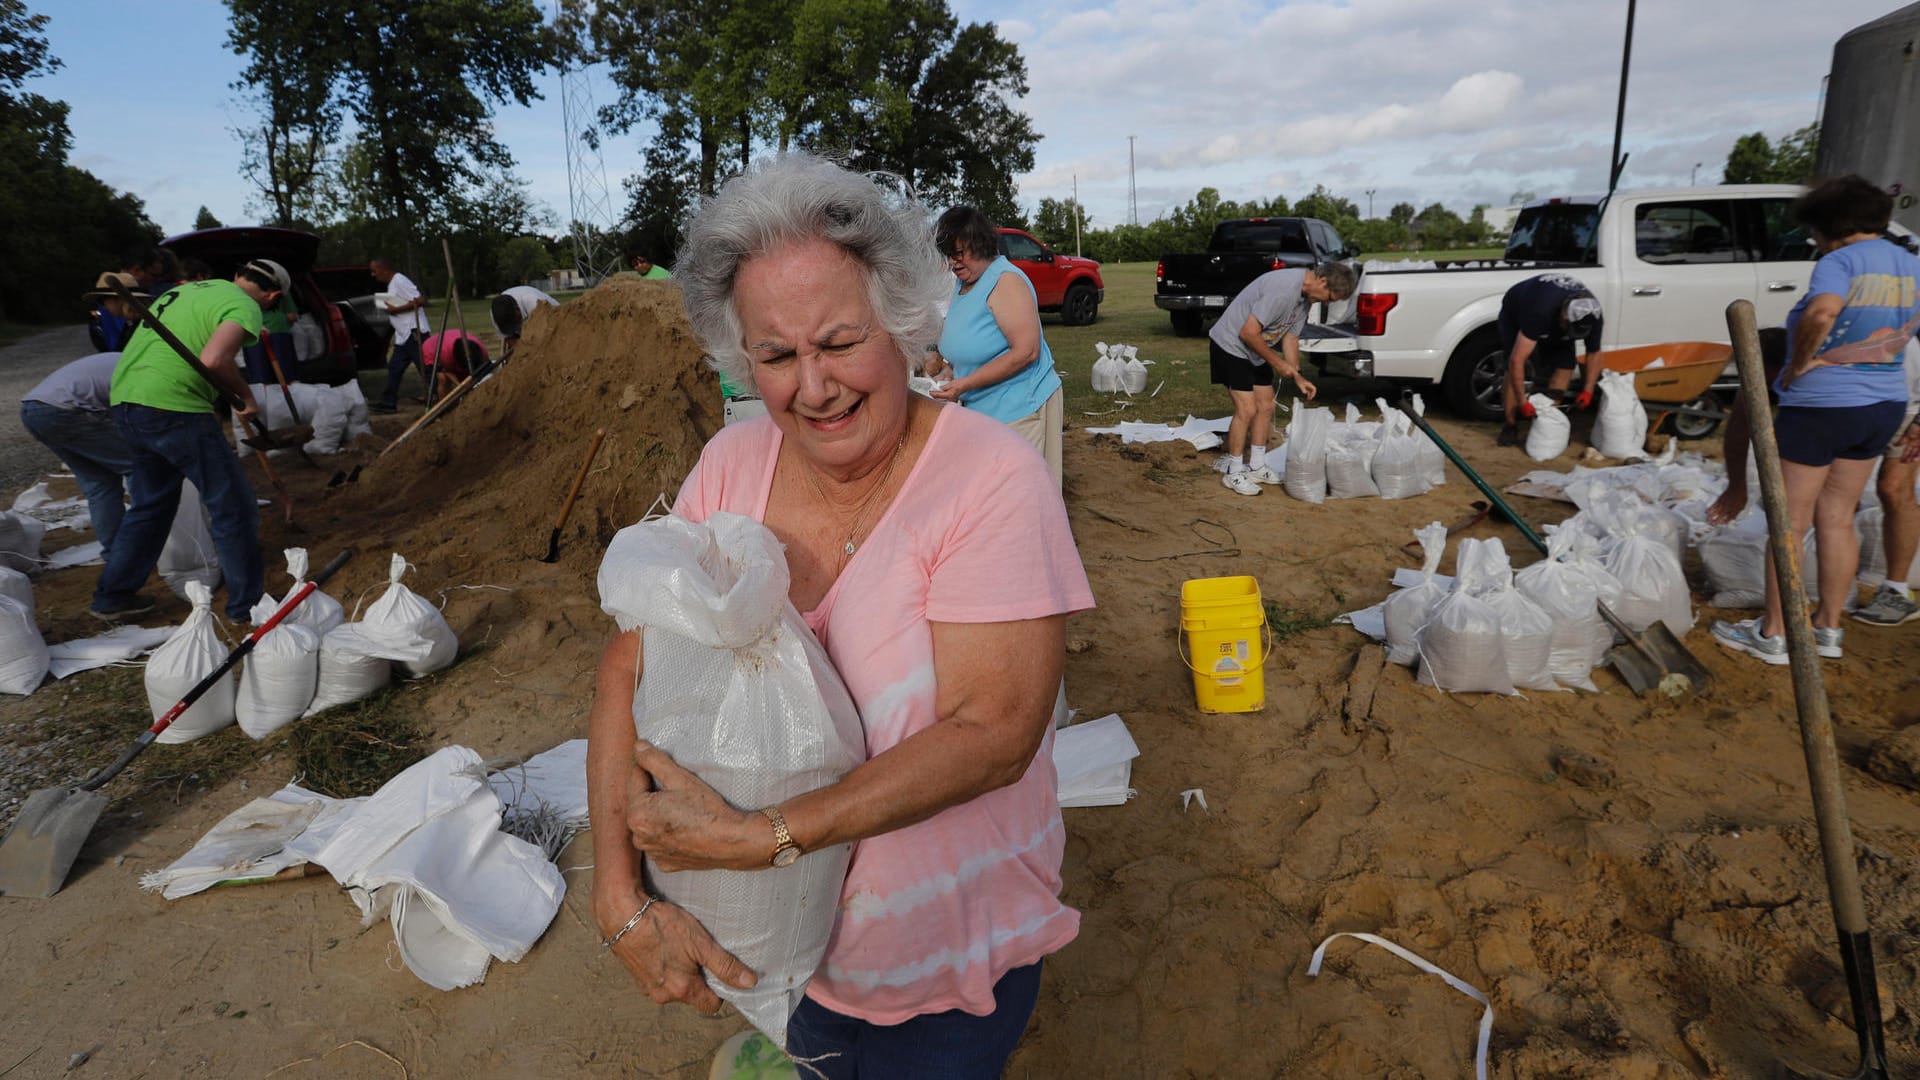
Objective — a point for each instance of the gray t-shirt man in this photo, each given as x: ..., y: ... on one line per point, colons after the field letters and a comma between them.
x: 83, y: 385
x: 1274, y: 299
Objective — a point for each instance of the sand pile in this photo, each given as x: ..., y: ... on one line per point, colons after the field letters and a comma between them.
x: 490, y: 477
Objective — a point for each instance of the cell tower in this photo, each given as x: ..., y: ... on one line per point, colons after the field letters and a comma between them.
x: 588, y: 204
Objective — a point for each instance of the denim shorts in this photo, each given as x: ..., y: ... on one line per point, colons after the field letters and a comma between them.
x: 1815, y: 436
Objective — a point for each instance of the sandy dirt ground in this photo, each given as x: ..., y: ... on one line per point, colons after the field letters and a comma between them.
x: 1635, y: 883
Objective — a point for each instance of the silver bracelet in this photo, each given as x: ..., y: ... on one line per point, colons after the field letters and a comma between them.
x: 608, y: 943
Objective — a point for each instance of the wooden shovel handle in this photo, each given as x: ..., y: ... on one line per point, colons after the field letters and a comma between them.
x: 574, y: 492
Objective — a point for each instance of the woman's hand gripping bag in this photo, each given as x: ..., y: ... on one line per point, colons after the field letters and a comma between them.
x: 177, y: 666
x: 736, y: 688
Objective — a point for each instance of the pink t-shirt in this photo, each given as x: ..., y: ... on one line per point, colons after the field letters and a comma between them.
x: 933, y: 914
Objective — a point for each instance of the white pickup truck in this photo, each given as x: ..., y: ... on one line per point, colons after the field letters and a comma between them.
x: 1665, y: 263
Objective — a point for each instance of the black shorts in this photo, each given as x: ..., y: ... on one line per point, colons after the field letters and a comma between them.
x: 1814, y: 437
x: 1236, y: 372
x: 1547, y: 355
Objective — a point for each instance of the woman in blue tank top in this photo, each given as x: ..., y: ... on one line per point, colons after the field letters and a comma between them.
x: 992, y: 349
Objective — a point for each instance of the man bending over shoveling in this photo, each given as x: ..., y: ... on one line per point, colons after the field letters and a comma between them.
x: 165, y: 411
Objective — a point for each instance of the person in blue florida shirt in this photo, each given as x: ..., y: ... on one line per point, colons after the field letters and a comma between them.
x: 991, y: 348
x: 1843, y: 395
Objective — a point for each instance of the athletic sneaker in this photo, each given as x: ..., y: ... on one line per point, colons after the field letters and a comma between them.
x: 382, y: 407
x: 1888, y: 608
x: 1224, y: 464
x: 1241, y: 483
x: 1509, y: 435
x: 1264, y: 475
x: 131, y: 608
x: 1826, y: 642
x: 1745, y: 636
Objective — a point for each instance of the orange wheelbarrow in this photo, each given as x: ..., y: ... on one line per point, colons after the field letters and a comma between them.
x: 1676, y: 380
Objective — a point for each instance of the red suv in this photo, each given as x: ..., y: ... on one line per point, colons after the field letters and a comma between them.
x: 227, y: 249
x: 1067, y: 284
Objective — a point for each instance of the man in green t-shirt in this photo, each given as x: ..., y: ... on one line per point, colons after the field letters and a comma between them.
x: 165, y: 410
x: 644, y: 266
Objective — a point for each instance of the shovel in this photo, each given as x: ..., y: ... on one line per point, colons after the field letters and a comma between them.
x: 1651, y: 659
x: 553, y: 541
x: 1810, y: 700
x: 54, y: 822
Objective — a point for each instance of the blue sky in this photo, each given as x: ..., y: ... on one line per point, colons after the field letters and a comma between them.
x: 1419, y: 100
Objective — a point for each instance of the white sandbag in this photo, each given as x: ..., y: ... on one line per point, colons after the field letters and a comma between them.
x: 356, y: 402
x: 1462, y: 647
x: 738, y: 690
x: 1396, y: 468
x: 23, y: 652
x: 1621, y: 430
x: 1106, y: 370
x: 1350, y: 468
x: 327, y: 409
x: 189, y: 555
x: 1568, y: 596
x: 1406, y: 610
x: 346, y: 673
x: 17, y: 585
x: 1133, y: 371
x: 1653, y: 587
x: 309, y: 340
x: 1306, y: 477
x: 20, y: 537
x: 318, y: 612
x: 278, y: 679
x: 1869, y: 524
x: 1526, y: 628
x: 404, y: 628
x: 1734, y: 557
x: 1548, y: 435
x: 1433, y: 460
x: 1583, y: 555
x: 194, y: 650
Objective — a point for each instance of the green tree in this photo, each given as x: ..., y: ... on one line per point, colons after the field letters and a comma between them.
x: 1402, y: 214
x: 1755, y: 160
x: 1438, y: 227
x: 290, y: 78
x: 1326, y: 206
x: 59, y: 225
x: 1377, y: 234
x: 524, y: 258
x: 205, y: 219
x: 1054, y: 222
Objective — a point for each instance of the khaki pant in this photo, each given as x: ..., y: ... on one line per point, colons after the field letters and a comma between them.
x: 1041, y: 427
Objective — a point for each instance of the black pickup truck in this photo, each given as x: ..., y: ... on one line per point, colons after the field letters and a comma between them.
x: 1194, y: 288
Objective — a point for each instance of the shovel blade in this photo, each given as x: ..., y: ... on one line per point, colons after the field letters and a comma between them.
x: 46, y: 838
x: 1656, y: 660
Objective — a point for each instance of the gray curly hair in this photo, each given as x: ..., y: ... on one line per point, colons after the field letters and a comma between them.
x: 799, y: 196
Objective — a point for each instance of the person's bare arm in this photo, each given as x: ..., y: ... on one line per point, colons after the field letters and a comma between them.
x: 666, y: 950
x: 1285, y: 361
x: 219, y: 356
x: 1816, y: 321
x: 996, y: 684
x: 1014, y: 311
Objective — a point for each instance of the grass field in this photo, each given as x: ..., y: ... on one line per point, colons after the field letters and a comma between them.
x: 1456, y: 253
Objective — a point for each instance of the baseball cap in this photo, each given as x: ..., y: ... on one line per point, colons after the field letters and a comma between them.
x: 1583, y: 314
x: 272, y: 271
x: 103, y: 287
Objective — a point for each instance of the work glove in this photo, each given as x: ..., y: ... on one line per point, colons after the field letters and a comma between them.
x: 1526, y: 409
x: 1584, y: 401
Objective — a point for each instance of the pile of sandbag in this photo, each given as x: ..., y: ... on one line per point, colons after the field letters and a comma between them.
x: 1118, y: 369
x: 1352, y: 459
x: 1484, y: 635
x: 338, y: 414
x: 357, y: 658
x: 23, y: 652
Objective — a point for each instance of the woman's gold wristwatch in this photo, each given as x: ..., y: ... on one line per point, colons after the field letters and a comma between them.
x: 785, y: 851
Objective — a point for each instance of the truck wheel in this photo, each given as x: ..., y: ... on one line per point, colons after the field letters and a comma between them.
x: 1186, y: 323
x: 1080, y: 306
x: 1474, y: 376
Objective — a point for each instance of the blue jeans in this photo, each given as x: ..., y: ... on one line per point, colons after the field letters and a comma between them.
x: 951, y: 1045
x: 405, y: 354
x: 95, y: 451
x: 168, y: 447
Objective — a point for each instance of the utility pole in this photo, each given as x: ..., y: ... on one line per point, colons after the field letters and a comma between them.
x: 1694, y: 179
x: 1618, y: 164
x: 1370, y: 192
x: 1133, y: 190
x: 1076, y: 215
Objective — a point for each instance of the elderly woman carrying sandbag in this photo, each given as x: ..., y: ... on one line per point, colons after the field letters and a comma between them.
x: 928, y: 549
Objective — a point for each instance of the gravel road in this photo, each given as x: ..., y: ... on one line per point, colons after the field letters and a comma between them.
x: 22, y: 364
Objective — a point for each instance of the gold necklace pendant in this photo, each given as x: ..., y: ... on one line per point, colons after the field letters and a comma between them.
x: 866, y: 504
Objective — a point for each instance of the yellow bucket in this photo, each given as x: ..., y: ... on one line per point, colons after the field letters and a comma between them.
x: 1224, y: 630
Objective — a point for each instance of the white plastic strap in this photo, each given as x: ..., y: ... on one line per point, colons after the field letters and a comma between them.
x: 1486, y: 1018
